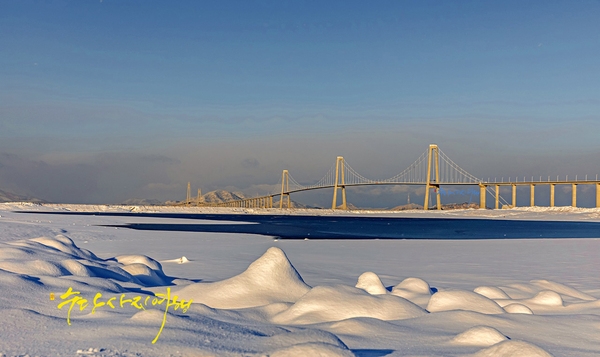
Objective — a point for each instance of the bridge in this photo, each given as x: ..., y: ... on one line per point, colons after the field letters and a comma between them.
x: 432, y: 169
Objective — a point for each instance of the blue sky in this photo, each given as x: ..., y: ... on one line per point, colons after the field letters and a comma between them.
x: 101, y: 101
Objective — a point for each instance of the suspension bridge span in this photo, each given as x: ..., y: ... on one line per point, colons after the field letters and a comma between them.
x: 431, y: 169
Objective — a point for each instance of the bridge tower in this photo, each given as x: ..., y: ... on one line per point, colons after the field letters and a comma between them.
x: 188, y: 198
x: 285, y: 188
x: 340, y: 182
x: 433, y: 155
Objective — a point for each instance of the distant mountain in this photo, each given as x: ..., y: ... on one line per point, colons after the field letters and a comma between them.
x: 407, y: 207
x: 448, y: 206
x: 220, y: 196
x: 142, y: 202
x: 464, y: 205
x: 293, y: 204
x: 12, y: 197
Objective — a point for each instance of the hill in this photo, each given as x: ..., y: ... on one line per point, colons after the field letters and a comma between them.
x: 12, y: 197
x: 219, y: 196
x: 448, y: 206
x: 142, y: 202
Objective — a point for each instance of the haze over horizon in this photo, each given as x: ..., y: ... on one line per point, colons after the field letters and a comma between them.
x: 103, y: 101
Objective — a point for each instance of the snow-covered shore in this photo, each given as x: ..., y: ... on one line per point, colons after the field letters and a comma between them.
x: 536, y: 212
x: 254, y: 296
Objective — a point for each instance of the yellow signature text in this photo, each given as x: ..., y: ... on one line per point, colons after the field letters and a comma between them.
x: 73, y: 299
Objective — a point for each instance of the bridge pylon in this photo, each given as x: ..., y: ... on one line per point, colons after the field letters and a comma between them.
x: 433, y: 155
x: 188, y: 198
x: 285, y: 188
x: 340, y: 182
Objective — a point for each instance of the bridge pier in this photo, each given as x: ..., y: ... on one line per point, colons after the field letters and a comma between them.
x: 552, y: 194
x: 438, y: 200
x: 574, y: 195
x: 497, y: 203
x: 514, y: 195
x: 482, y: 193
x: 598, y: 195
x: 532, y: 196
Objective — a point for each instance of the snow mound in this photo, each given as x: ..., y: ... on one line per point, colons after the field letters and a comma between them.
x: 106, y: 270
x: 65, y: 245
x: 557, y: 298
x: 512, y: 349
x: 14, y: 253
x: 271, y: 278
x: 34, y: 267
x: 516, y: 308
x: 479, y: 336
x: 562, y: 289
x: 527, y: 290
x: 59, y: 257
x: 547, y: 298
x: 181, y: 260
x: 340, y: 302
x: 414, y: 285
x: 145, y: 275
x: 313, y: 349
x: 371, y: 283
x: 147, y: 270
x: 462, y: 300
x: 139, y: 259
x: 415, y: 290
x: 491, y: 292
x: 76, y: 268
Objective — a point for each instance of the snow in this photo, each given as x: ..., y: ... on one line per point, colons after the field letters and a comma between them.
x: 512, y: 349
x: 269, y: 279
x: 341, y: 302
x: 480, y: 336
x: 255, y: 296
x: 370, y: 282
x: 462, y: 300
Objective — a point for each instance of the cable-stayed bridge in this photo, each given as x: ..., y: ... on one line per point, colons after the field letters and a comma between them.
x: 431, y: 169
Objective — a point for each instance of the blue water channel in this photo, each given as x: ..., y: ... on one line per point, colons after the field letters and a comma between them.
x: 359, y: 227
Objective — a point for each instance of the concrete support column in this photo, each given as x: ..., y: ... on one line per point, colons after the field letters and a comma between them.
x: 552, y: 194
x: 598, y: 195
x: 574, y: 195
x: 514, y: 195
x: 532, y: 198
x: 497, y: 203
x: 482, y: 192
